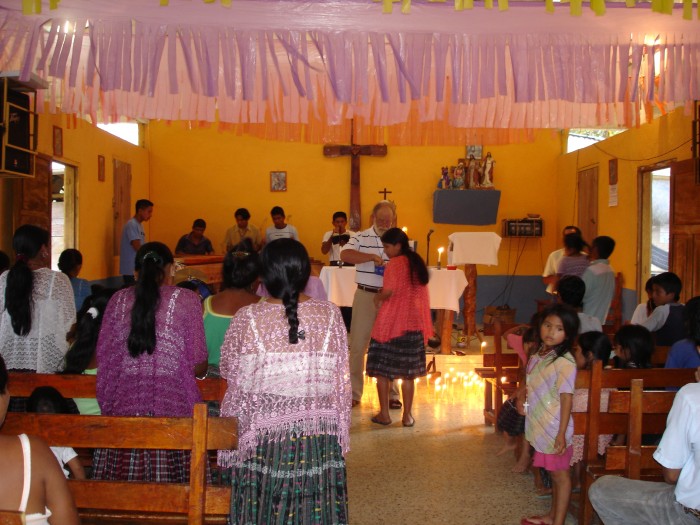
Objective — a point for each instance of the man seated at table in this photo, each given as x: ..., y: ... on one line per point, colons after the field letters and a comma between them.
x: 194, y: 243
x: 242, y: 230
x: 336, y: 238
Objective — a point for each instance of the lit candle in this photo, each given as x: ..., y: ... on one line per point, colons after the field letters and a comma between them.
x: 440, y: 250
x: 405, y: 230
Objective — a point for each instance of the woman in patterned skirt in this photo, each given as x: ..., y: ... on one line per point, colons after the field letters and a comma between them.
x: 402, y: 327
x: 286, y: 363
x: 150, y: 347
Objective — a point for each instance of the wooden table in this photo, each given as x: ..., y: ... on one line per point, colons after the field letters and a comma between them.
x: 445, y: 288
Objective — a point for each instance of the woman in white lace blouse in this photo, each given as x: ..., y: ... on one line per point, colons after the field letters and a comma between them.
x: 38, y: 306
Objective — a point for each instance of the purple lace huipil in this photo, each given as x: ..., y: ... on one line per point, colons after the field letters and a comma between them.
x: 160, y: 384
x: 277, y: 389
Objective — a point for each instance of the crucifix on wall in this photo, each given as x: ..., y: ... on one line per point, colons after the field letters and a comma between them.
x: 354, y: 151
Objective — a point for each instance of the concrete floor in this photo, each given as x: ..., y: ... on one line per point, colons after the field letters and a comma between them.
x: 441, y: 471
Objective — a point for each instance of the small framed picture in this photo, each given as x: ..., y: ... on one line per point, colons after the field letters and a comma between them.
x: 475, y: 151
x: 612, y: 172
x: 278, y: 181
x: 57, y: 141
x: 101, y: 168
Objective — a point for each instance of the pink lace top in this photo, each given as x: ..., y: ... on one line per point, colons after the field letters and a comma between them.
x: 407, y: 309
x: 159, y: 384
x: 277, y: 389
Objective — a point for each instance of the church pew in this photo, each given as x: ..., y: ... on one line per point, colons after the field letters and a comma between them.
x: 495, y: 367
x: 190, y: 502
x: 10, y: 517
x: 594, y: 422
x: 659, y: 356
x: 70, y: 386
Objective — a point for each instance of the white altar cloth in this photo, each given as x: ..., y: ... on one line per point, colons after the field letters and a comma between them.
x: 445, y: 286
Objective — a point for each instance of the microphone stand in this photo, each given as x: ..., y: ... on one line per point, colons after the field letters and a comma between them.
x: 427, y: 247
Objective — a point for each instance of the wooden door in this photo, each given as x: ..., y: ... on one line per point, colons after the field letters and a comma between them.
x: 588, y: 203
x: 684, y: 251
x: 122, y: 199
x: 33, y: 196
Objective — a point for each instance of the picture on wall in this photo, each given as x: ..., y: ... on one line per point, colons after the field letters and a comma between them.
x: 278, y: 181
x: 474, y: 150
x: 57, y: 141
x: 101, y: 168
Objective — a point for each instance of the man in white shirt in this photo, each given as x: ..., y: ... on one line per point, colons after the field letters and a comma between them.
x: 366, y: 251
x: 549, y: 275
x: 336, y: 238
x: 620, y: 501
x: 599, y: 278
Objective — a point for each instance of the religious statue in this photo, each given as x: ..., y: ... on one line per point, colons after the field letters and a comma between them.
x: 472, y: 173
x: 487, y: 171
x: 445, y: 182
x: 458, y: 180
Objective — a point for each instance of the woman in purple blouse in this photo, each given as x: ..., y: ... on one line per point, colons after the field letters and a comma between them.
x: 150, y: 348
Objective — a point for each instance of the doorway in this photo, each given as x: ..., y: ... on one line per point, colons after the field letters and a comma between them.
x: 63, y: 210
x: 654, y: 222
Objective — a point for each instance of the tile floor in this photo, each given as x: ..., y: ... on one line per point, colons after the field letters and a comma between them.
x: 441, y: 471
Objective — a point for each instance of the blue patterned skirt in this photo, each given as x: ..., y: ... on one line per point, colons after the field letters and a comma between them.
x: 400, y: 358
x: 295, y: 481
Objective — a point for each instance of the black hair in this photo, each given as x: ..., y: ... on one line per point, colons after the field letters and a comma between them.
x: 571, y: 290
x: 691, y: 316
x: 638, y: 341
x: 199, y: 223
x: 419, y: 272
x: 27, y: 241
x: 241, y: 267
x: 605, y: 246
x: 242, y: 213
x: 277, y: 210
x: 142, y: 204
x: 69, y: 260
x: 286, y: 270
x: 86, y: 331
x: 670, y: 282
x: 574, y: 241
x: 572, y: 227
x: 4, y: 377
x: 596, y: 343
x: 4, y: 261
x: 340, y: 215
x: 47, y: 394
x: 151, y: 260
x: 570, y: 321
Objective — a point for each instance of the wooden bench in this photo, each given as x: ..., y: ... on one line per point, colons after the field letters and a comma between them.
x: 193, y: 503
x: 9, y: 517
x: 593, y: 423
x: 495, y: 367
x: 70, y: 386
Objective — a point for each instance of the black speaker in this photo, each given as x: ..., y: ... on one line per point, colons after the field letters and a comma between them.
x: 16, y: 115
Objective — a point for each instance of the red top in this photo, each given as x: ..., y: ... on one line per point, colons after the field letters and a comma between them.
x: 408, y: 308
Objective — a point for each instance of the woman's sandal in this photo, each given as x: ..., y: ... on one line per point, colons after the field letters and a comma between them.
x: 378, y: 421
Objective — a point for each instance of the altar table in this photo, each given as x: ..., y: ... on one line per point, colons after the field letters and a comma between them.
x: 445, y: 288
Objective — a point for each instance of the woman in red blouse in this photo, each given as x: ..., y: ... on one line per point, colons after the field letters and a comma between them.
x: 402, y: 327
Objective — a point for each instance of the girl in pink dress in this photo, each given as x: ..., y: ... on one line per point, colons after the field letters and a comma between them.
x: 402, y: 327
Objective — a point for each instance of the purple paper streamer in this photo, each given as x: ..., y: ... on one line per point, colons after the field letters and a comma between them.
x: 76, y: 52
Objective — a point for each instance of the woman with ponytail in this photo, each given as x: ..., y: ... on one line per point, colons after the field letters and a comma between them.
x: 286, y: 363
x: 37, y: 306
x: 403, y: 325
x: 150, y: 347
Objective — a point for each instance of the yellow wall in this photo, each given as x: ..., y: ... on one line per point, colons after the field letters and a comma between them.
x: 666, y: 138
x: 82, y: 143
x: 209, y: 173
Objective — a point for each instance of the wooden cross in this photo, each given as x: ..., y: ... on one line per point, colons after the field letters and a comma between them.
x: 385, y: 191
x: 354, y: 151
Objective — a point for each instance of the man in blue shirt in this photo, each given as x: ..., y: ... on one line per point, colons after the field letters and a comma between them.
x: 133, y: 237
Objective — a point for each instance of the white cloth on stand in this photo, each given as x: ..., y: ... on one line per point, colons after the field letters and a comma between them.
x: 473, y: 248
